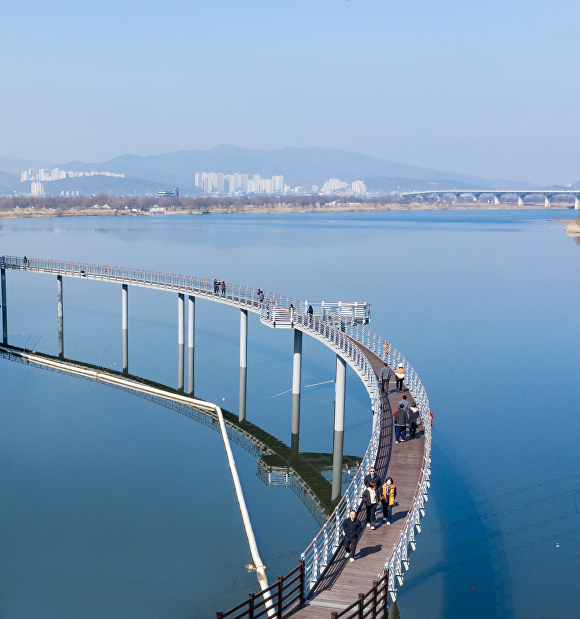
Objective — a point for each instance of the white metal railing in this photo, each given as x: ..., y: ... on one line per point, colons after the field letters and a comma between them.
x: 234, y: 294
x: 339, y: 335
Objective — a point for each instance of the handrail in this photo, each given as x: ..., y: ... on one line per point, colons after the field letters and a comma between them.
x: 235, y: 294
x: 374, y: 600
x: 275, y: 600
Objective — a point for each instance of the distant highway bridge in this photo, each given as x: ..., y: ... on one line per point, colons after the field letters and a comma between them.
x: 495, y: 193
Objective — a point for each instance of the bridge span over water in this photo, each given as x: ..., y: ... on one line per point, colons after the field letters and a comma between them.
x: 496, y: 194
x: 324, y: 583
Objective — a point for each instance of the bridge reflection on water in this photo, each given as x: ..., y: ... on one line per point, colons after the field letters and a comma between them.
x: 308, y: 475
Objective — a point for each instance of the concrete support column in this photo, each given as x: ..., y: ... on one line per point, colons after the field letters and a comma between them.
x: 60, y: 316
x: 296, y: 379
x: 180, y: 340
x: 546, y: 202
x: 125, y: 326
x: 190, y: 342
x: 4, y: 308
x: 243, y: 363
x: 339, y: 396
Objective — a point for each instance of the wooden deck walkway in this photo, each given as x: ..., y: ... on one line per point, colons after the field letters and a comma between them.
x: 343, y: 580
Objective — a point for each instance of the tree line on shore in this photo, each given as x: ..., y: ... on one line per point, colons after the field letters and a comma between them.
x: 172, y: 203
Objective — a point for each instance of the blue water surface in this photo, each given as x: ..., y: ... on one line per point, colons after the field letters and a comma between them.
x: 113, y: 506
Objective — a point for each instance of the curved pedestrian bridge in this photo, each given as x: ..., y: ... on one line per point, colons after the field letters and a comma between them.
x: 323, y: 583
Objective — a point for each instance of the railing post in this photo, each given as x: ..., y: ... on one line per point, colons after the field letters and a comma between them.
x: 301, y: 581
x: 219, y: 616
x: 361, y: 606
x: 251, y: 605
x: 375, y: 596
x: 280, y: 590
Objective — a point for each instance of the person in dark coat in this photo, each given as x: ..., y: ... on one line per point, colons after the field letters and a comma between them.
x: 223, y: 287
x: 401, y: 418
x: 370, y: 499
x: 352, y: 529
x: 372, y: 477
x: 310, y: 312
x: 414, y: 420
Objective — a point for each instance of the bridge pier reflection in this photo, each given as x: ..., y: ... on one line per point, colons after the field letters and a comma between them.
x: 60, y: 316
x: 338, y: 443
x: 4, y: 308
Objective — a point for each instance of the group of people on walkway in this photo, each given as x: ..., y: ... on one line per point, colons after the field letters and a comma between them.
x: 375, y: 494
x: 385, y: 377
x: 404, y: 413
x: 219, y: 287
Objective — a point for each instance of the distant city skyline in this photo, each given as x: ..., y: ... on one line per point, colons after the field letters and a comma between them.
x: 243, y: 184
x: 55, y: 174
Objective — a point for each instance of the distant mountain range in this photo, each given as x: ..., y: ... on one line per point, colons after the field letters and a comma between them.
x: 299, y: 166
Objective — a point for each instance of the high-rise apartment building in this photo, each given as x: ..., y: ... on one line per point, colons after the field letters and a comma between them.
x: 36, y: 188
x: 358, y: 187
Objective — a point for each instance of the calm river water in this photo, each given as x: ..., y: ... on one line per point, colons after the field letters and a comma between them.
x: 114, y: 507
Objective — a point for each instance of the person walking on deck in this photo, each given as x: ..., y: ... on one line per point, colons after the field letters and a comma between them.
x: 352, y: 529
x: 310, y: 313
x: 215, y: 286
x: 370, y: 499
x: 405, y: 404
x: 401, y: 418
x: 400, y: 376
x: 372, y: 477
x: 223, y: 287
x: 388, y: 499
x: 414, y: 420
x: 385, y: 377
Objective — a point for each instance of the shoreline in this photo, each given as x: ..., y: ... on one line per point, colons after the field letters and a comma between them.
x: 32, y: 213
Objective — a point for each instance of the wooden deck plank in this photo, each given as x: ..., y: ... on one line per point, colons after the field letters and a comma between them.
x: 343, y: 580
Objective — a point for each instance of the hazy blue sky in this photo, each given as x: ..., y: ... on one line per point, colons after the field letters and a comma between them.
x: 488, y: 87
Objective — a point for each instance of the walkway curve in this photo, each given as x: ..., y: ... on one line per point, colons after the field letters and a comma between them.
x: 340, y: 326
